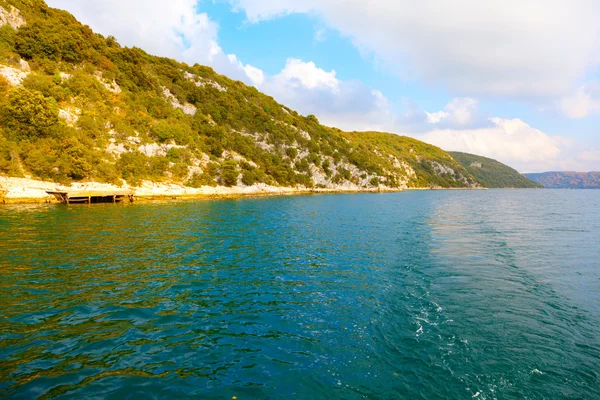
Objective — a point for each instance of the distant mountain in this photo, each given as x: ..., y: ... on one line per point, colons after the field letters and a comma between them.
x: 491, y: 173
x: 567, y: 180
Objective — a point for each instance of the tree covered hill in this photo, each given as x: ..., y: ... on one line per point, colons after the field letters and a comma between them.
x: 491, y: 173
x: 567, y: 180
x: 75, y: 105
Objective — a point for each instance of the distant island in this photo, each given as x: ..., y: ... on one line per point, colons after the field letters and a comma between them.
x: 567, y: 180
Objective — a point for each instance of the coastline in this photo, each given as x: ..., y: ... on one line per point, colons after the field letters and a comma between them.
x: 32, y: 191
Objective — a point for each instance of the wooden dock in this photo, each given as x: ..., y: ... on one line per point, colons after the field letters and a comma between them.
x: 92, y: 197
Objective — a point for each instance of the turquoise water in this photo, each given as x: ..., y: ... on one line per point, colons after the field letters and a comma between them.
x: 416, y: 295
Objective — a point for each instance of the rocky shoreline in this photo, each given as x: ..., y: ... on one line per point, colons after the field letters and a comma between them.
x: 31, y: 191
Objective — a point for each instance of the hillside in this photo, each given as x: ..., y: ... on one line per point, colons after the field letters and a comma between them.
x: 491, y: 173
x: 76, y: 106
x: 567, y: 180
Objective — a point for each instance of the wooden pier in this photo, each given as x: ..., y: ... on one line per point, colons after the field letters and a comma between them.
x: 92, y: 197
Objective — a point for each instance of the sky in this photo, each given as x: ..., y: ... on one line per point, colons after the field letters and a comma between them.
x: 514, y: 80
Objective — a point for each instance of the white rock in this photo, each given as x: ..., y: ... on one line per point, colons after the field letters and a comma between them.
x: 13, y: 76
x: 155, y: 149
x: 186, y: 108
x: 12, y: 18
x: 111, y: 86
x: 237, y: 157
x: 117, y: 148
x: 305, y: 134
x: 24, y: 65
x: 201, y: 82
x: 71, y: 116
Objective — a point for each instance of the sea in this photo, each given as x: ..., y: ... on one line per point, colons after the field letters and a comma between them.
x: 415, y: 295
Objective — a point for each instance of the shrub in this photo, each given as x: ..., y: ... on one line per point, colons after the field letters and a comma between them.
x: 29, y: 113
x: 291, y: 152
x: 199, y: 180
x: 249, y: 178
x: 229, y: 173
x: 45, y: 84
x: 166, y: 130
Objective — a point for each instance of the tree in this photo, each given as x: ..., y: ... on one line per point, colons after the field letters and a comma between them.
x: 229, y: 173
x: 313, y: 119
x: 29, y: 114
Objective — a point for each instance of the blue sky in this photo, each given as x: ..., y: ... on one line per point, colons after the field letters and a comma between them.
x: 512, y: 80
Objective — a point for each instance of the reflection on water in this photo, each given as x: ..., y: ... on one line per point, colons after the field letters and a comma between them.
x: 418, y: 295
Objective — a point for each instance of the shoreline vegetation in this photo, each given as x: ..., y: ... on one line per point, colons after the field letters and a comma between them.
x: 33, y: 191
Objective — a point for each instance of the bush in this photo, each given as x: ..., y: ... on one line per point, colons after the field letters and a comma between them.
x: 4, y: 85
x: 92, y: 127
x: 291, y: 152
x: 9, y: 158
x: 199, y: 180
x: 135, y: 167
x: 107, y: 173
x: 29, y: 114
x: 75, y: 160
x: 249, y: 178
x: 45, y: 84
x: 229, y: 173
x: 166, y: 130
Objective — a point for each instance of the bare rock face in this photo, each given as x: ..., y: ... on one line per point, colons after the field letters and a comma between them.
x: 186, y: 108
x: 12, y: 18
x: 12, y: 75
x: 70, y: 116
x: 24, y: 65
x: 111, y: 86
x: 200, y: 82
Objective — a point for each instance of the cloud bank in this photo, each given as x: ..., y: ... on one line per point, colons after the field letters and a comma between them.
x: 511, y: 48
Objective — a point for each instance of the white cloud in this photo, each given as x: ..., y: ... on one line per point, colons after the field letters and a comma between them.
x: 590, y: 155
x: 519, y: 49
x: 255, y: 75
x: 436, y: 117
x: 584, y: 102
x: 308, y: 75
x: 349, y: 105
x: 459, y: 112
x: 509, y: 140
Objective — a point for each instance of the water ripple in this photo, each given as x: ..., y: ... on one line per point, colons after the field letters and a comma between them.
x: 414, y: 295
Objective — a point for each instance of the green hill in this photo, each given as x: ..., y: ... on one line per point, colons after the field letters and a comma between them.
x: 77, y: 106
x: 493, y: 174
x: 567, y: 180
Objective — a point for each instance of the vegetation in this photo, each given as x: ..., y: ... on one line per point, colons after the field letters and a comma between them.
x: 432, y: 166
x: 493, y: 174
x: 93, y: 110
